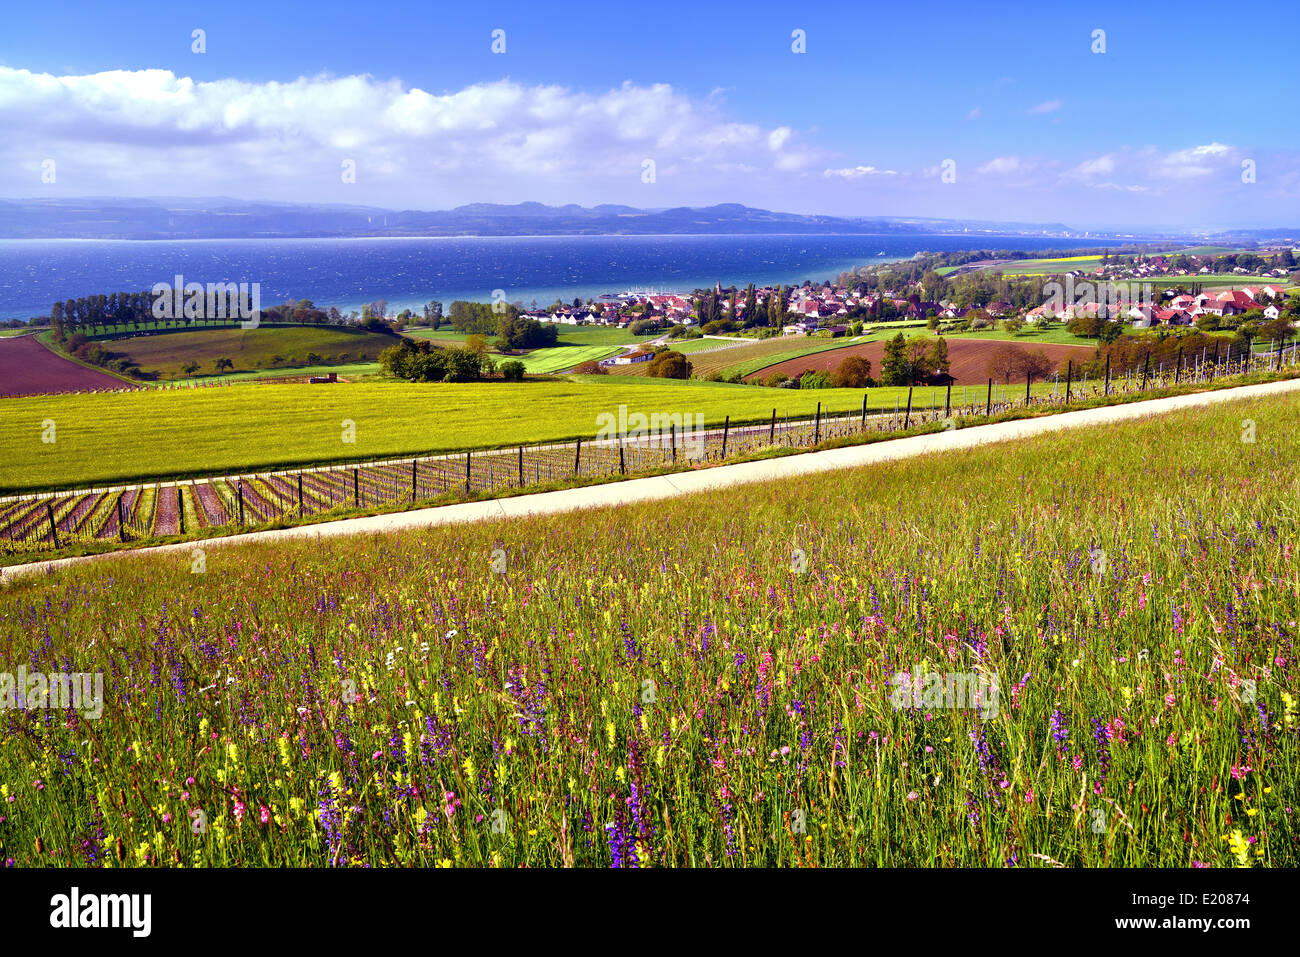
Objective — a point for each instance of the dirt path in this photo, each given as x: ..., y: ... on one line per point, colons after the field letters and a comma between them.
x: 685, y: 483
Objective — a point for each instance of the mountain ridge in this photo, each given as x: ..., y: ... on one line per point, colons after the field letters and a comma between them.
x: 226, y: 218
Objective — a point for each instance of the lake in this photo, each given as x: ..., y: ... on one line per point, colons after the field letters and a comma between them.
x: 408, y: 272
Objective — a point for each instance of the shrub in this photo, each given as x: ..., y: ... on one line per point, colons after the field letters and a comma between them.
x: 590, y: 367
x: 512, y: 371
x: 853, y: 373
x: 376, y: 324
x: 421, y: 362
x: 669, y: 365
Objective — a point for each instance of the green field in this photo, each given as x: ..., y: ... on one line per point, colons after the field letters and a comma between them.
x: 560, y: 358
x: 349, y: 371
x: 568, y: 335
x: 575, y: 344
x: 170, y: 433
x: 693, y: 346
x: 750, y: 356
x: 1043, y: 267
x: 1057, y: 335
x: 175, y: 433
x: 166, y: 353
x: 711, y: 680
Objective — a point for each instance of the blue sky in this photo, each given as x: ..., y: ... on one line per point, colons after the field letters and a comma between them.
x: 1186, y: 119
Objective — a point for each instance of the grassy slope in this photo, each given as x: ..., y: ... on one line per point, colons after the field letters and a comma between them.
x: 569, y: 335
x: 349, y: 370
x: 167, y: 352
x: 741, y: 357
x: 560, y: 358
x: 166, y: 434
x: 634, y: 642
x: 158, y: 433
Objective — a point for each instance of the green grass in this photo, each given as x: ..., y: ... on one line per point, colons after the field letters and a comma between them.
x: 165, y: 434
x: 443, y: 337
x: 692, y: 346
x: 560, y: 358
x: 1057, y: 335
x: 743, y: 357
x: 166, y: 353
x: 1043, y: 267
x: 709, y: 684
x: 568, y: 335
x: 600, y: 336
x: 350, y: 370
x: 172, y: 433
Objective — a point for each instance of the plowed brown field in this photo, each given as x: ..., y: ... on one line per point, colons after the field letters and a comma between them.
x: 28, y: 368
x: 968, y: 357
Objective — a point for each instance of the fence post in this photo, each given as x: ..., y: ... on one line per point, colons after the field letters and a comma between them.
x: 356, y: 488
x: 54, y: 532
x: 1106, y: 391
x: 622, y: 465
x: 1028, y: 379
x: 414, y: 477
x: 300, y: 493
x: 1069, y: 379
x: 672, y: 432
x: 577, y: 457
x: 988, y: 404
x: 817, y: 425
x: 1178, y: 365
x: 771, y: 429
x: 726, y: 427
x: 239, y: 490
x: 521, y: 466
x: 121, y: 518
x: 1146, y: 367
x: 467, y: 486
x: 907, y: 417
x: 180, y: 507
x: 947, y: 401
x: 1250, y: 347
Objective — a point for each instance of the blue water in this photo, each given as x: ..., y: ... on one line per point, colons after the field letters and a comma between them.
x: 409, y: 272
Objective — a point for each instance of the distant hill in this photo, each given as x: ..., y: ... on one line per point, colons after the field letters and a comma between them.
x: 223, y: 218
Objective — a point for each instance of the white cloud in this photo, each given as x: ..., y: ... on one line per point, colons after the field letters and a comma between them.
x: 1099, y: 166
x: 1196, y: 161
x: 854, y: 172
x: 1151, y: 169
x: 1050, y: 106
x: 1001, y: 165
x: 150, y: 131
x: 975, y: 114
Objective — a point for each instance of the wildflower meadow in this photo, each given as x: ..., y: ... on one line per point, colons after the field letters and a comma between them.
x: 1096, y: 633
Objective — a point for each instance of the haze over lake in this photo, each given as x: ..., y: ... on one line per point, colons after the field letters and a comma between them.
x: 409, y: 272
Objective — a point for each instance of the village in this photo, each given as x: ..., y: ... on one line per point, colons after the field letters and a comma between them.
x: 832, y: 309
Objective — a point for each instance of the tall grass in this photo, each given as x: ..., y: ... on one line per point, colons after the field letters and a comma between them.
x: 707, y: 681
